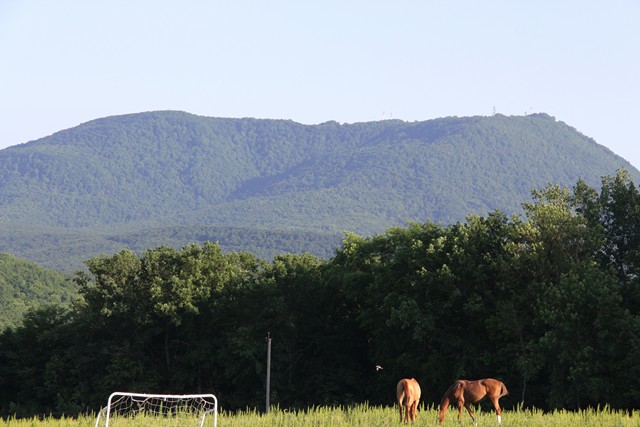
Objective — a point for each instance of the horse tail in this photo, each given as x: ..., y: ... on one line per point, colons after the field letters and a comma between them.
x: 400, y: 393
x: 503, y: 389
x: 405, y: 385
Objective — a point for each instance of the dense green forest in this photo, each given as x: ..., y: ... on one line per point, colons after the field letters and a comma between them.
x: 548, y: 302
x: 80, y: 192
x: 65, y: 250
x: 25, y: 285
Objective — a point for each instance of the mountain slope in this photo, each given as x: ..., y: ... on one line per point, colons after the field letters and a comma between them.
x: 158, y: 170
x: 25, y: 285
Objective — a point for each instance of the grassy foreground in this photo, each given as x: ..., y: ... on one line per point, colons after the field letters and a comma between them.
x: 369, y: 416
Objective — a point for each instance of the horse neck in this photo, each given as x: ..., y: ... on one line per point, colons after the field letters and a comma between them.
x: 444, y: 404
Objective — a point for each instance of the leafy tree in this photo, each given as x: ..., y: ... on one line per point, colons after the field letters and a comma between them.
x: 587, y: 340
x: 615, y: 213
x: 31, y: 356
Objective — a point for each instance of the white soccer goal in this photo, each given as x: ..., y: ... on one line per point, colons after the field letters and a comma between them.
x: 159, y: 410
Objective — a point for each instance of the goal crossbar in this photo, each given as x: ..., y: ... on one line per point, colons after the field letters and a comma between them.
x: 204, y: 404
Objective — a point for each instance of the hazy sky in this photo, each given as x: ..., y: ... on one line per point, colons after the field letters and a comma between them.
x: 66, y: 62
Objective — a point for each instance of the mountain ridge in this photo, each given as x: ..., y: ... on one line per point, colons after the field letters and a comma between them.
x: 164, y: 169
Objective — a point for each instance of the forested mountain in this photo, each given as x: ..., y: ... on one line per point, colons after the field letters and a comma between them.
x: 91, y: 189
x: 548, y: 303
x: 25, y: 285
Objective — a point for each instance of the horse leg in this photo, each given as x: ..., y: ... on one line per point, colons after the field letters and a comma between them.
x: 414, y: 410
x: 473, y: 417
x: 496, y: 406
x: 404, y: 418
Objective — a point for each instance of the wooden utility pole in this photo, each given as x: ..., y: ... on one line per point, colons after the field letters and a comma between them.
x: 268, y: 371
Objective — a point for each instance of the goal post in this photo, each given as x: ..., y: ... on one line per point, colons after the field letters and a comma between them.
x: 126, y: 409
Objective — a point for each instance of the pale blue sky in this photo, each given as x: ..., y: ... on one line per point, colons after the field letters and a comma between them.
x: 66, y: 62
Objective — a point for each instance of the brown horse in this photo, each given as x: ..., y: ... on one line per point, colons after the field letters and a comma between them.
x: 464, y: 393
x: 408, y: 395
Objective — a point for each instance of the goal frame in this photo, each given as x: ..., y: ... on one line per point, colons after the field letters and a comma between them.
x: 107, y: 409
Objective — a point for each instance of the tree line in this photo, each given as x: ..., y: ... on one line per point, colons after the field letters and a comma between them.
x: 548, y: 302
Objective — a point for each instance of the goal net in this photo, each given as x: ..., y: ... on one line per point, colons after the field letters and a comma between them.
x: 159, y: 410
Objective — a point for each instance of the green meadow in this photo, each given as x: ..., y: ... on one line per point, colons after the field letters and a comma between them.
x: 369, y: 416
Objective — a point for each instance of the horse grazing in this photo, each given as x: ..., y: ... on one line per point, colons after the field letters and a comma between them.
x: 464, y: 393
x: 408, y: 395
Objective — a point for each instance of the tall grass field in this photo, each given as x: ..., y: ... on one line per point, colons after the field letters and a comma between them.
x: 369, y: 416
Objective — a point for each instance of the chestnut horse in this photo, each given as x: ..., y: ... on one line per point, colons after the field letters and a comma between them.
x: 464, y: 393
x: 408, y: 395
